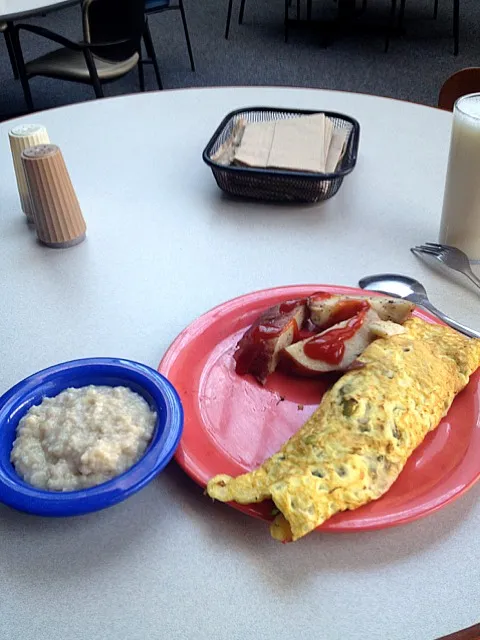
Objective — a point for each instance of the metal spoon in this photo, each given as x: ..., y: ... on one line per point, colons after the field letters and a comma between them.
x: 409, y: 289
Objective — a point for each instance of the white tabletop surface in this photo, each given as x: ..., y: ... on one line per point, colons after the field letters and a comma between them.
x: 163, y: 246
x: 14, y: 9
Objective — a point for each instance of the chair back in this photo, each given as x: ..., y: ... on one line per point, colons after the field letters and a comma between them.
x: 459, y: 84
x: 120, y: 21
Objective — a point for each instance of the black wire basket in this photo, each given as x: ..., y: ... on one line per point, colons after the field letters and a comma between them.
x: 280, y: 185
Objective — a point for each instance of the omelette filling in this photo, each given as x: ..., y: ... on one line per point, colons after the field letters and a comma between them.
x: 357, y: 442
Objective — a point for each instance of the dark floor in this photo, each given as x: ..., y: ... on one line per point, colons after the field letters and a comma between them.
x: 413, y: 69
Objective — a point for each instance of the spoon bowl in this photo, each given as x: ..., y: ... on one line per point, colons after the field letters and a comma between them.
x: 407, y: 288
x: 394, y: 285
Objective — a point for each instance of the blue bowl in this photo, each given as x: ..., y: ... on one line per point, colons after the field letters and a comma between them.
x: 157, y: 391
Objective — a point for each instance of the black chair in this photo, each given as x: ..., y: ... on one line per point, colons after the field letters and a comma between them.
x: 350, y: 7
x: 111, y: 48
x: 391, y: 24
x: 456, y: 21
x: 288, y: 4
x: 158, y: 6
x: 6, y: 28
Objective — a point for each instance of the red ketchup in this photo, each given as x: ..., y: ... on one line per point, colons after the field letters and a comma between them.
x: 291, y: 305
x: 274, y: 321
x: 321, y: 295
x: 244, y: 358
x: 347, y: 309
x: 271, y: 324
x: 330, y: 346
x: 343, y: 310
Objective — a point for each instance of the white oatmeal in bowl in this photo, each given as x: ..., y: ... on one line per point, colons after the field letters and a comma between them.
x: 82, y: 437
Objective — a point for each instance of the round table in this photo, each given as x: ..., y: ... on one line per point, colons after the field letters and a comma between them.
x: 164, y: 245
x: 15, y: 9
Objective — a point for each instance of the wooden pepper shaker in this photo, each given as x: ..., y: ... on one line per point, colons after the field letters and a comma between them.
x: 57, y: 215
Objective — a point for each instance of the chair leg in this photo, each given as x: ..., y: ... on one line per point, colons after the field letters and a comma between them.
x: 242, y: 11
x: 92, y: 70
x: 456, y: 26
x: 364, y: 6
x: 187, y: 37
x: 401, y: 13
x: 435, y: 9
x: 22, y: 72
x: 11, y: 50
x: 141, y: 75
x: 286, y: 21
x: 309, y: 10
x: 229, y: 17
x: 391, y: 24
x: 147, y: 37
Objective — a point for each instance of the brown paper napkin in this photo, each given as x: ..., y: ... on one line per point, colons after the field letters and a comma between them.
x: 329, y: 129
x: 337, y: 149
x: 225, y: 154
x: 306, y: 143
x: 300, y: 143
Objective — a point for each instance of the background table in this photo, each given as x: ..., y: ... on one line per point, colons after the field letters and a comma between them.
x: 11, y: 10
x: 14, y: 9
x: 163, y: 246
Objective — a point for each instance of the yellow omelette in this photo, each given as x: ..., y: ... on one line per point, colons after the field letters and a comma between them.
x: 357, y: 442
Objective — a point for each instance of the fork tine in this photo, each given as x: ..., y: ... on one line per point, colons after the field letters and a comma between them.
x: 424, y: 249
x: 441, y: 247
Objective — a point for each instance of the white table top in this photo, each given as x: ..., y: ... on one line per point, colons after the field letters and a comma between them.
x: 164, y: 246
x: 14, y: 9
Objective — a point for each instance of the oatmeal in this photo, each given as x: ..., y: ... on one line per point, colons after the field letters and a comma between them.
x: 82, y: 437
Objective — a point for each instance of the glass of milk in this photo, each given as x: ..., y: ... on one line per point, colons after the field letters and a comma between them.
x: 460, y: 226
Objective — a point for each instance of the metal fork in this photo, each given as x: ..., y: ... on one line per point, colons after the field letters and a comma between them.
x: 449, y: 256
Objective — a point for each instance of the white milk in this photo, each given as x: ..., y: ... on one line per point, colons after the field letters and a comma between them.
x: 460, y: 224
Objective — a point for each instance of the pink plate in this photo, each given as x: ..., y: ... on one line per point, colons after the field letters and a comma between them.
x: 232, y: 423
